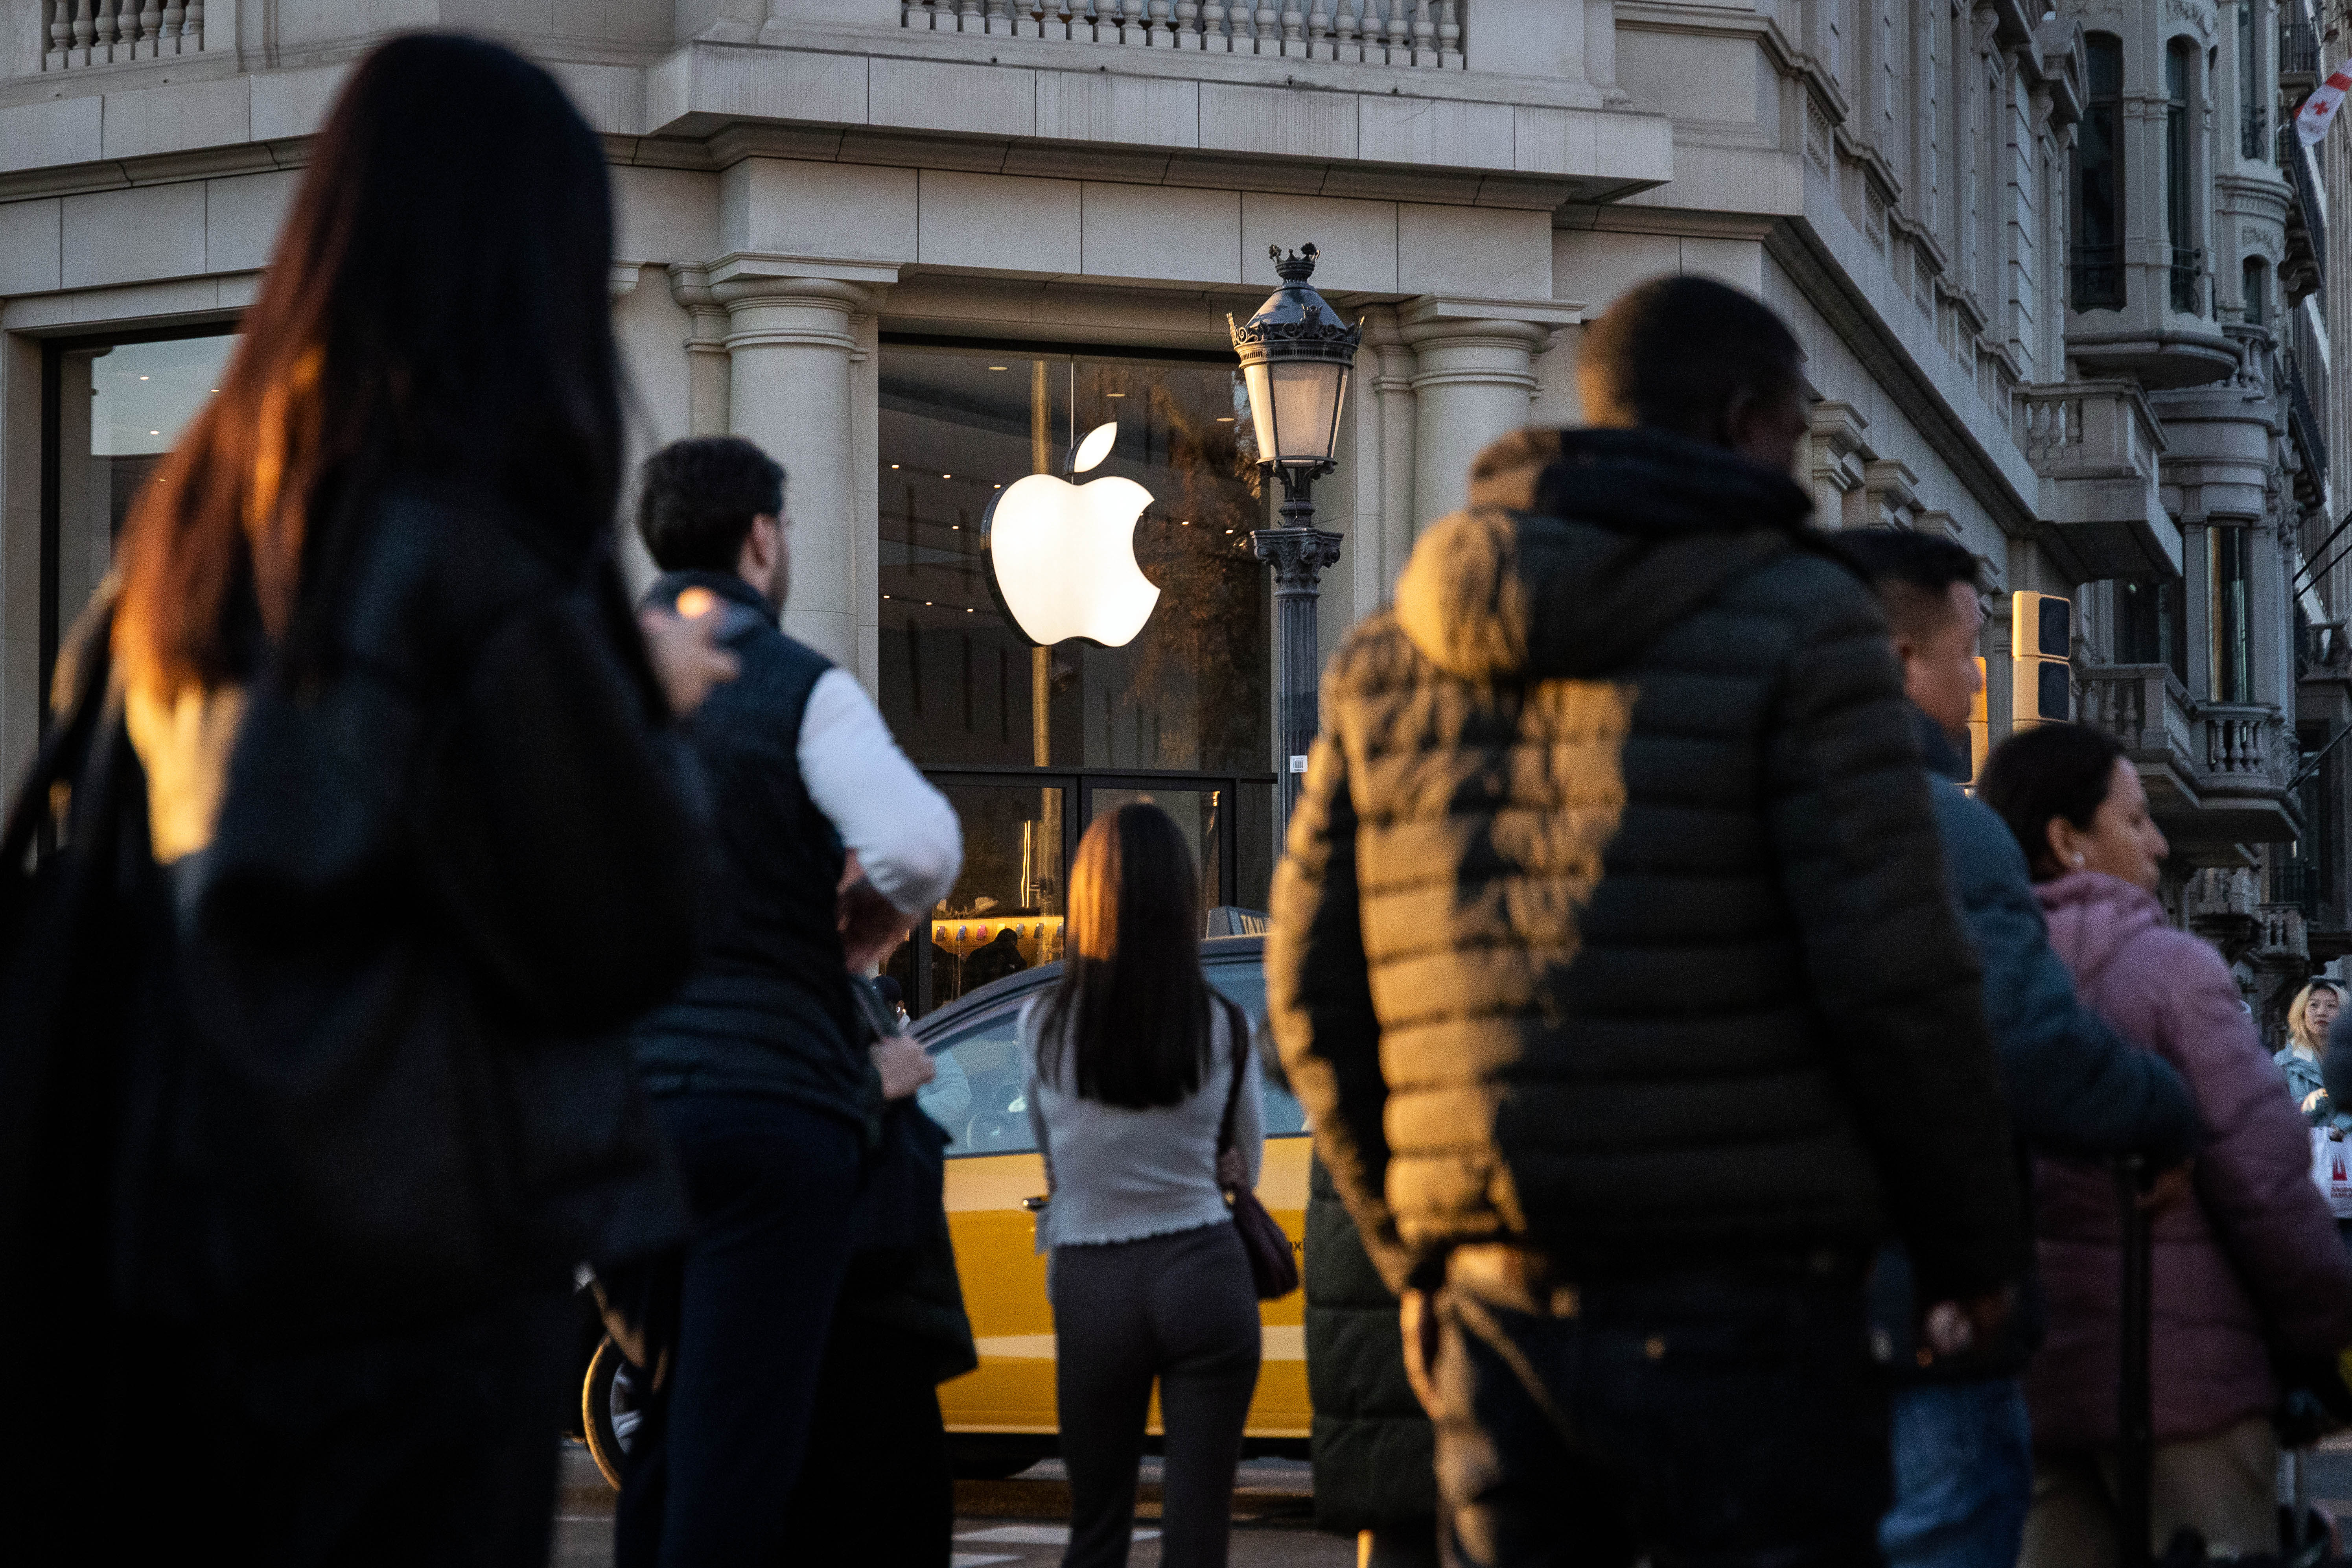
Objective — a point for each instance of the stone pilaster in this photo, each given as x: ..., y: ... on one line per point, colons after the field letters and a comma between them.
x: 1472, y: 381
x: 792, y: 336
x: 705, y: 350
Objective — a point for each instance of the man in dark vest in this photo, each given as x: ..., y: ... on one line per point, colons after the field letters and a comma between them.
x: 830, y: 844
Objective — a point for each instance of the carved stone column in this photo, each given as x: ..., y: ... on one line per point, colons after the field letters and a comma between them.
x: 1472, y: 382
x: 790, y: 338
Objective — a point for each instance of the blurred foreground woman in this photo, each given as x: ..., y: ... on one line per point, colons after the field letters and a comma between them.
x: 390, y: 838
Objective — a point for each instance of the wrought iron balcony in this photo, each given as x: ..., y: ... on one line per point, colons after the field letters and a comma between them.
x: 2305, y: 421
x: 2298, y: 58
x: 2095, y: 277
x: 2254, y: 128
x: 2188, y: 273
x: 2304, y: 266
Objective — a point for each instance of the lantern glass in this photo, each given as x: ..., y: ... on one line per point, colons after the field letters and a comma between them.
x: 1296, y: 407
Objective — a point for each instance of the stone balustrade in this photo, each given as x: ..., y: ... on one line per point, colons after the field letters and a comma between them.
x: 2144, y: 706
x: 2282, y: 932
x: 2242, y: 743
x: 2096, y: 445
x: 110, y: 32
x: 1412, y: 33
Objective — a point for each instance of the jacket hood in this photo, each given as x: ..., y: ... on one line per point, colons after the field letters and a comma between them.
x: 2093, y: 917
x: 1580, y: 547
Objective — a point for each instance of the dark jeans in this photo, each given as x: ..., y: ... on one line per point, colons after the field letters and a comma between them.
x: 1705, y: 1421
x: 437, y: 1444
x: 1179, y: 1308
x: 712, y: 1466
x: 1963, y: 1476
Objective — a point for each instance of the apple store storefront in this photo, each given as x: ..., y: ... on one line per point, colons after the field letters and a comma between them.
x: 1036, y: 705
x: 1113, y: 676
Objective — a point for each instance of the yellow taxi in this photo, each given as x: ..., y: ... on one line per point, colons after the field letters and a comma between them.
x: 1001, y: 1416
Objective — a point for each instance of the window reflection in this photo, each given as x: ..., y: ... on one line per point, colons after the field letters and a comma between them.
x: 120, y: 408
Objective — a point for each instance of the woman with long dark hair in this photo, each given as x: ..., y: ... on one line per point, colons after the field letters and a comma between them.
x: 1132, y: 1063
x: 2246, y: 1265
x: 398, y: 839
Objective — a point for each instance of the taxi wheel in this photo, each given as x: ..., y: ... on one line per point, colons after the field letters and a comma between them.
x: 610, y: 1410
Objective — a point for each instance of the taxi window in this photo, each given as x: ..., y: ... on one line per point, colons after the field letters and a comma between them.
x: 978, y: 1097
x: 1243, y: 982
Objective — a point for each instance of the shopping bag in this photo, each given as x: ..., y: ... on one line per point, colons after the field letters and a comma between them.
x: 2331, y: 1170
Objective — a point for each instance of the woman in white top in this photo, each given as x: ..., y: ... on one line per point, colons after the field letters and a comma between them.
x: 1132, y: 1060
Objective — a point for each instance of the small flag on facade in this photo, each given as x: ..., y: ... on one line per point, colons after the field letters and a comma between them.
x: 2319, y: 110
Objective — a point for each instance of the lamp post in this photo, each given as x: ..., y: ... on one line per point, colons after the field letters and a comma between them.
x: 1296, y: 354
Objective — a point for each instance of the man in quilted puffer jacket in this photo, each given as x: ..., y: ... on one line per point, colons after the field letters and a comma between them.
x: 1614, y: 961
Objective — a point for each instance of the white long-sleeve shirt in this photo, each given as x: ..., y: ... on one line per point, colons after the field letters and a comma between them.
x: 905, y: 833
x: 1120, y: 1174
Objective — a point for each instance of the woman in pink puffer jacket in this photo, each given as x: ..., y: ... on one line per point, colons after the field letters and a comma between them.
x: 2251, y: 1255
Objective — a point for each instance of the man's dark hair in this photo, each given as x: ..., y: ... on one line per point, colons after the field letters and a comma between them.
x: 1676, y: 352
x: 1914, y: 572
x: 2049, y: 771
x: 696, y: 498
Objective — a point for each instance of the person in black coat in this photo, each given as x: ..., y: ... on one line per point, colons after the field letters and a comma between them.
x: 395, y: 842
x: 1615, y: 962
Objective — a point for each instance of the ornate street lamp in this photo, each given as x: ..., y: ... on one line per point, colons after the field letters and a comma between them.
x: 1296, y: 355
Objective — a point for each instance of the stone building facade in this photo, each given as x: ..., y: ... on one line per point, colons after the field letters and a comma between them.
x: 895, y: 239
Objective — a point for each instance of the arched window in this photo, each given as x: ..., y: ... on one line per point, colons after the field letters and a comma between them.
x: 2179, y: 153
x: 2254, y: 280
x: 2097, y: 280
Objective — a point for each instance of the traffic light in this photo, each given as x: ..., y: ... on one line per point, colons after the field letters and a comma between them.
x: 2041, y: 670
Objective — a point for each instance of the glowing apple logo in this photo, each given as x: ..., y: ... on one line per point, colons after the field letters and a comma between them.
x: 1065, y: 554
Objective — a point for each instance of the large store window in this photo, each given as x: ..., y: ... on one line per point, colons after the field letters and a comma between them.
x: 1032, y: 740
x: 2099, y: 238
x: 112, y: 410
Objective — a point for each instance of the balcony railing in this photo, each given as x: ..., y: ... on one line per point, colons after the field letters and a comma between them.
x: 2299, y: 56
x: 2098, y: 449
x: 108, y: 32
x: 2308, y: 248
x: 2303, y: 414
x: 2254, y: 130
x: 2095, y: 276
x: 2188, y: 273
x: 2241, y: 743
x: 2144, y: 706
x: 1415, y: 32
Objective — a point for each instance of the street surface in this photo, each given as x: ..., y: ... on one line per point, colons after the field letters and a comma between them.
x: 1021, y: 1523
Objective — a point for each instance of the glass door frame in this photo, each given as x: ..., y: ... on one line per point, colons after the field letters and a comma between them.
x: 1080, y: 785
x: 53, y: 615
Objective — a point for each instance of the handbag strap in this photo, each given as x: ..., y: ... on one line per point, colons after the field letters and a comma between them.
x: 1238, y: 1026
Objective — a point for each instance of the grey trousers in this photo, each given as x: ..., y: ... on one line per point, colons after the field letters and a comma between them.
x: 1179, y: 1308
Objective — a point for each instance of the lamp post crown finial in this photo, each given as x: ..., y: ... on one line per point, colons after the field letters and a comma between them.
x: 1296, y: 267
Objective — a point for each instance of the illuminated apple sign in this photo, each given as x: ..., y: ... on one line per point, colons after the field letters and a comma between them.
x: 1065, y: 554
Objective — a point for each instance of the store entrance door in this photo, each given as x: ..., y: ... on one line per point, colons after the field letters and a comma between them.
x: 1020, y: 829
